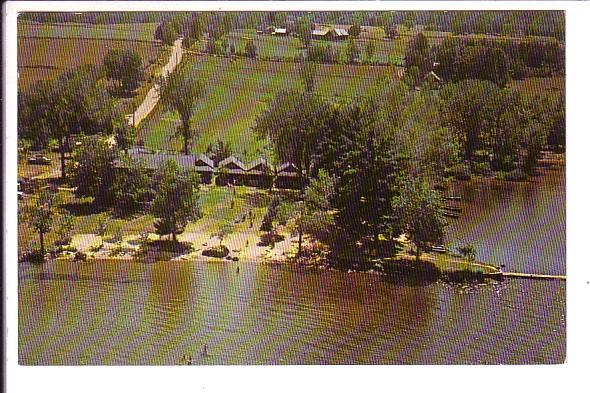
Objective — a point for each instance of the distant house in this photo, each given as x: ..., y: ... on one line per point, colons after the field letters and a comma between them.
x: 259, y: 173
x: 280, y: 31
x: 329, y: 33
x: 205, y: 167
x: 288, y: 177
x: 231, y: 171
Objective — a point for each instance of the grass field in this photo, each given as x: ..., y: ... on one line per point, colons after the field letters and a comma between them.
x: 123, y: 31
x: 238, y: 91
x: 46, y: 58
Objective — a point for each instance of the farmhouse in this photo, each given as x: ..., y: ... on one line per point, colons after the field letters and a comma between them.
x: 205, y: 167
x: 329, y: 33
x: 231, y: 171
x: 288, y: 177
x: 259, y: 173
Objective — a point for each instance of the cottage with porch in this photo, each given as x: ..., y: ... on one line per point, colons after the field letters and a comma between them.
x: 231, y: 171
x: 288, y: 177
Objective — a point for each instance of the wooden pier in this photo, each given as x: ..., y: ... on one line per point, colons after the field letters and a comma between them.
x: 533, y: 276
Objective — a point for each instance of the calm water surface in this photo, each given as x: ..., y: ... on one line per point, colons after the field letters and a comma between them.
x: 131, y: 313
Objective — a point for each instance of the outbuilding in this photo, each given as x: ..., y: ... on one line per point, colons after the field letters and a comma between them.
x: 205, y: 168
x: 288, y: 177
x: 259, y: 173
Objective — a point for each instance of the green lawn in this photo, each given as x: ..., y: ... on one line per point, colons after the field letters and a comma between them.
x: 238, y: 91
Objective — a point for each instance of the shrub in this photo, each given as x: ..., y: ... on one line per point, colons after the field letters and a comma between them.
x: 80, y: 256
x: 216, y: 252
x: 33, y: 257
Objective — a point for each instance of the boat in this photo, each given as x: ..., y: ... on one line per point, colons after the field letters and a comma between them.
x: 449, y: 214
x: 452, y: 198
x: 439, y: 248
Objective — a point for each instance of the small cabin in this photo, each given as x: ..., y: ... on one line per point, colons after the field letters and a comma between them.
x: 231, y: 171
x: 259, y: 174
x: 205, y: 168
x: 288, y: 177
x: 329, y: 33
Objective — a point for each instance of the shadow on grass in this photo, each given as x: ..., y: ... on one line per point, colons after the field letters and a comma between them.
x: 82, y: 208
x: 161, y: 250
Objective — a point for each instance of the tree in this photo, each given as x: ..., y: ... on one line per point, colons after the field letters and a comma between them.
x: 194, y: 30
x: 307, y: 71
x: 370, y: 50
x: 41, y: 215
x: 212, y: 47
x: 304, y: 29
x: 391, y: 30
x: 218, y: 151
x: 466, y: 109
x: 181, y: 94
x: 354, y: 30
x: 352, y: 51
x: 132, y: 187
x: 177, y: 198
x: 223, y: 232
x: 250, y: 49
x: 311, y: 214
x: 294, y: 124
x: 124, y: 135
x: 169, y: 34
x: 418, y: 211
x: 93, y: 172
x: 418, y: 54
x: 73, y: 103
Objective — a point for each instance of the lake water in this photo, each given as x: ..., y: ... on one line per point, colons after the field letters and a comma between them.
x: 131, y: 313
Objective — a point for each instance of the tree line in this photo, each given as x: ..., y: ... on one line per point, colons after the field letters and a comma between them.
x: 385, y: 154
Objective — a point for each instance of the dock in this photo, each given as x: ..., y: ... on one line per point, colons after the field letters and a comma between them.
x: 533, y: 276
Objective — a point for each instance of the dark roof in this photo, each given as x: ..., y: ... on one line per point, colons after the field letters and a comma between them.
x: 203, y: 160
x: 287, y: 167
x: 157, y: 160
x: 231, y: 161
x: 260, y: 164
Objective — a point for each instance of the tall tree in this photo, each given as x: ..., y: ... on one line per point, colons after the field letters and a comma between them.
x: 250, y: 49
x: 354, y: 30
x: 177, y: 198
x: 294, y: 124
x: 74, y: 103
x: 124, y: 66
x: 352, y: 51
x: 311, y: 215
x: 93, y: 172
x: 418, y: 212
x: 370, y: 50
x: 181, y: 94
x: 418, y: 54
x: 41, y: 215
x: 124, y: 135
x: 308, y: 72
x: 466, y: 109
x: 304, y: 29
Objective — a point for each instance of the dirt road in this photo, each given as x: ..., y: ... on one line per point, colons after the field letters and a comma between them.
x: 152, y: 97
